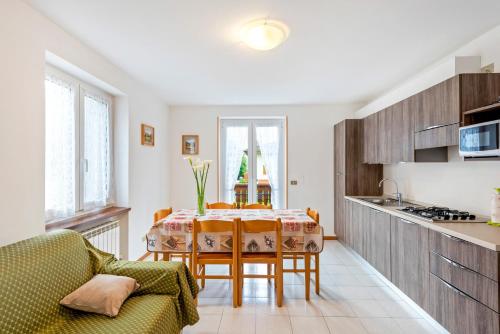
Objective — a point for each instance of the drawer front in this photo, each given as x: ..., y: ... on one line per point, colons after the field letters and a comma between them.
x: 479, y: 287
x: 477, y: 258
x: 459, y: 313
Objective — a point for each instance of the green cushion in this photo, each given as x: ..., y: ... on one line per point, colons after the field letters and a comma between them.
x: 142, y: 314
x: 35, y: 275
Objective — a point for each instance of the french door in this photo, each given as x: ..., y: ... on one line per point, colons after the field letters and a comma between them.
x: 252, y: 161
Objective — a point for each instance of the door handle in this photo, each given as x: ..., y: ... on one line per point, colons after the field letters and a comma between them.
x: 407, y: 222
x: 453, y: 238
x: 455, y: 290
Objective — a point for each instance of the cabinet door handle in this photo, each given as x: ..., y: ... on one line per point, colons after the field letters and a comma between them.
x: 455, y: 290
x: 407, y: 222
x: 454, y: 264
x: 453, y: 238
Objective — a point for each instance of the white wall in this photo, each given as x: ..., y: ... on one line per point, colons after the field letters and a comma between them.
x: 310, y: 152
x: 25, y: 36
x: 459, y: 184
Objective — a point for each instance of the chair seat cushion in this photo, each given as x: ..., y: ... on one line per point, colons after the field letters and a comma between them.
x: 142, y: 314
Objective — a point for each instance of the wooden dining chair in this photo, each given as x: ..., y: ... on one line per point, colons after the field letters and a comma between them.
x: 315, y: 216
x: 220, y: 205
x: 257, y: 206
x: 201, y: 259
x: 158, y: 215
x: 270, y: 258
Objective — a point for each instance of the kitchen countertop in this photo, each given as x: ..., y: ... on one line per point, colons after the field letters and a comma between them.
x: 477, y: 233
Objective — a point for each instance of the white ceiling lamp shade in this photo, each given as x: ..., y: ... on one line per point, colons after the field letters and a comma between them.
x: 264, y: 34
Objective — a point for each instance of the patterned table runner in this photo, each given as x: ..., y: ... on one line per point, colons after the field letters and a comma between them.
x: 174, y: 233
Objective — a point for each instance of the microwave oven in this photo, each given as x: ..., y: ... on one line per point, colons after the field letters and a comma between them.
x: 480, y: 140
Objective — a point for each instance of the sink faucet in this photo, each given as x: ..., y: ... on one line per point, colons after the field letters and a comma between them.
x: 399, y: 196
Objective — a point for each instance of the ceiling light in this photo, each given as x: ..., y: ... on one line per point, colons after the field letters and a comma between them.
x: 264, y: 34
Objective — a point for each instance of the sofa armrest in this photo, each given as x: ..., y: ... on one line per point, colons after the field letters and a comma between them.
x: 155, y: 277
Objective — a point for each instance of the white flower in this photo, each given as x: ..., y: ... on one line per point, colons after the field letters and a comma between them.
x: 207, y: 162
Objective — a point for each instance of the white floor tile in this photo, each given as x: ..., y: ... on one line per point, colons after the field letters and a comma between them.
x: 208, y: 324
x: 368, y: 309
x: 381, y: 326
x: 300, y: 307
x: 309, y: 325
x: 340, y: 325
x: 416, y: 326
x: 399, y: 309
x: 273, y: 324
x: 237, y: 324
x: 335, y: 308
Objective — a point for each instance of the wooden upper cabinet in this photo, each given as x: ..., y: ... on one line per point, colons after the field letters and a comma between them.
x: 385, y: 139
x: 370, y: 139
x: 440, y: 105
x: 444, y: 103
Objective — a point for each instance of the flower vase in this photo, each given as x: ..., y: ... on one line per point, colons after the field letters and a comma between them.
x: 200, y: 211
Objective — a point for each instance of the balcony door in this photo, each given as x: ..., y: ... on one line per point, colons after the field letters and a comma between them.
x: 252, y: 161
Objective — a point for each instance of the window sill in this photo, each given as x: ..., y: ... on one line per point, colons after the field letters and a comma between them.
x: 88, y: 220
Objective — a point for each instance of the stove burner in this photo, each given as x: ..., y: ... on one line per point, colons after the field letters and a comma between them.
x: 436, y: 213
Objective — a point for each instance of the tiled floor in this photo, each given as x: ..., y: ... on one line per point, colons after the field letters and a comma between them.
x: 352, y: 300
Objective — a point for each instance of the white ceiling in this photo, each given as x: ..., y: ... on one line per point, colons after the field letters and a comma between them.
x: 338, y: 51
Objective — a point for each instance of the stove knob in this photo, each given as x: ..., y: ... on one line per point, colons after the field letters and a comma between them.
x: 455, y: 217
x: 472, y: 217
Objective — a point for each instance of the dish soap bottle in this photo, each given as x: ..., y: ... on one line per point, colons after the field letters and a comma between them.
x: 495, y: 207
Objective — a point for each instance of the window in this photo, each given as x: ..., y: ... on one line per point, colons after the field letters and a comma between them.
x: 78, y: 147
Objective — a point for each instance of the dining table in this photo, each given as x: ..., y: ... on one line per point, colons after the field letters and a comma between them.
x: 173, y: 234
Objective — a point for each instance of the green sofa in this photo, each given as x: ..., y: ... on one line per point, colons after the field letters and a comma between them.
x: 35, y: 274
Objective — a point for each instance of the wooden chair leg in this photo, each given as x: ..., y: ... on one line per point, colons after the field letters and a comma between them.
x: 316, y: 271
x: 155, y: 256
x: 307, y: 266
x: 203, y: 276
x: 230, y: 270
x: 240, y: 285
x: 278, y: 281
x: 294, y: 262
x: 183, y: 258
x: 269, y: 270
x: 166, y: 256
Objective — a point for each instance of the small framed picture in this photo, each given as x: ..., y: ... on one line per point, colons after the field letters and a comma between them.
x: 190, y: 144
x: 147, y: 135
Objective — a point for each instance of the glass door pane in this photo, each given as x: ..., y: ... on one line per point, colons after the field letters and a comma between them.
x: 270, y: 162
x: 234, y: 173
x: 252, y: 161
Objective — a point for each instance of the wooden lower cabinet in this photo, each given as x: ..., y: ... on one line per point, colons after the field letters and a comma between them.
x: 378, y: 241
x: 410, y: 260
x: 459, y: 313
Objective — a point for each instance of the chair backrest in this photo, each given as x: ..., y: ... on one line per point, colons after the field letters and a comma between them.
x: 220, y: 205
x: 160, y: 214
x: 257, y: 206
x: 215, y: 226
x: 313, y: 214
x: 262, y: 226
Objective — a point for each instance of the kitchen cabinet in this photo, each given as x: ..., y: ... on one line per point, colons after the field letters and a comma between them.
x: 394, y: 140
x: 459, y: 313
x: 377, y: 238
x: 370, y: 139
x: 410, y: 259
x: 440, y: 105
x: 351, y: 176
x: 441, y: 111
x: 369, y: 235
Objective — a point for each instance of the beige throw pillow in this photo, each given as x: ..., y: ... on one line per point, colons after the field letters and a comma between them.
x: 103, y: 294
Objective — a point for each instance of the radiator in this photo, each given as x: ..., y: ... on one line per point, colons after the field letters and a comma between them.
x: 105, y: 237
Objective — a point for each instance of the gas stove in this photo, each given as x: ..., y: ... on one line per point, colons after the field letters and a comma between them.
x: 441, y: 214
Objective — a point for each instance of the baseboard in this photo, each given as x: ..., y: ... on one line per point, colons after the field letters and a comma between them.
x: 329, y: 237
x: 144, y: 256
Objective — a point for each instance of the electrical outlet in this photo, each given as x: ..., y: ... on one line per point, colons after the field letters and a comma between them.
x: 293, y: 182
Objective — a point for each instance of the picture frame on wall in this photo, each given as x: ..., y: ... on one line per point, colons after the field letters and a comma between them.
x: 147, y: 135
x: 190, y: 145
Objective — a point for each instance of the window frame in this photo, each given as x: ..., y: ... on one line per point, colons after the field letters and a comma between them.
x: 82, y: 89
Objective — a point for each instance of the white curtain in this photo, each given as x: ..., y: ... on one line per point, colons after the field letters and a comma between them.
x: 97, y: 152
x: 268, y: 139
x: 59, y: 148
x: 236, y: 144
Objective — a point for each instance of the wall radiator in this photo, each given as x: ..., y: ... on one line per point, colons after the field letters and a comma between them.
x: 105, y: 237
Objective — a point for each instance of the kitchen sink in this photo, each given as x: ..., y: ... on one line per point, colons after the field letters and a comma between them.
x: 387, y: 202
